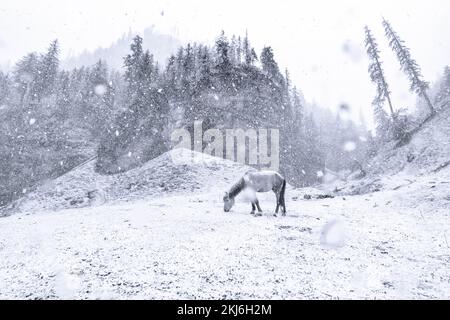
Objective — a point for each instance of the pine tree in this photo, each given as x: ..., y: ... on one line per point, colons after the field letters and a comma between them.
x: 223, y: 54
x: 141, y: 127
x: 234, y: 50
x: 188, y: 72
x: 315, y: 160
x: 239, y: 50
x: 100, y: 100
x: 443, y: 95
x: 25, y: 74
x: 269, y: 65
x: 63, y: 96
x: 408, y: 64
x: 204, y: 80
x: 47, y: 71
x: 4, y: 88
x: 377, y: 74
x: 298, y: 108
x: 248, y: 52
x: 383, y: 126
x: 132, y: 64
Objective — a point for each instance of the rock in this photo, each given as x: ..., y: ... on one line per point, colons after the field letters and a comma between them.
x: 324, y: 196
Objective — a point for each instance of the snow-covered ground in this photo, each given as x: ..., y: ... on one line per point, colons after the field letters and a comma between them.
x: 394, y: 243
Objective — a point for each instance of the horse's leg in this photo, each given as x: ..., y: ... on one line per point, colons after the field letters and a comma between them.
x: 283, y: 205
x: 257, y: 205
x: 253, y: 208
x: 259, y: 208
x: 278, y: 201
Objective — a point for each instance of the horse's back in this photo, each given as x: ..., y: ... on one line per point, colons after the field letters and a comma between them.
x: 266, y: 174
x: 263, y: 181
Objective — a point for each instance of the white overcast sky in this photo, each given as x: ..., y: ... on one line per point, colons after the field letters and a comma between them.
x: 320, y: 42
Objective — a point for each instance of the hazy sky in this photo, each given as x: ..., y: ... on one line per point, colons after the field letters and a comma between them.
x: 320, y: 42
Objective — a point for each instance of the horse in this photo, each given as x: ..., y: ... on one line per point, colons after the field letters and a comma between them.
x: 258, y: 181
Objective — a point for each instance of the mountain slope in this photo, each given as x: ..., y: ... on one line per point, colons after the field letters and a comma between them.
x: 162, y: 233
x: 185, y: 247
x: 424, y: 161
x: 427, y: 152
x: 174, y: 172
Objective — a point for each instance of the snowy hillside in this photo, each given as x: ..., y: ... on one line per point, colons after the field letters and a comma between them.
x: 427, y: 152
x: 422, y: 167
x: 174, y: 172
x: 159, y: 231
x: 171, y: 239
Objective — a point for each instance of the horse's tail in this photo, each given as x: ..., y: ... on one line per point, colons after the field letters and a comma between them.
x: 283, y: 188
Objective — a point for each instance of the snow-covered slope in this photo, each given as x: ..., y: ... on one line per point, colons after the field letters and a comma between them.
x: 422, y: 166
x: 184, y: 247
x: 159, y: 231
x: 177, y: 171
x: 427, y: 152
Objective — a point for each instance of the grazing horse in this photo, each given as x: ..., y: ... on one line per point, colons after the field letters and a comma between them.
x: 258, y: 181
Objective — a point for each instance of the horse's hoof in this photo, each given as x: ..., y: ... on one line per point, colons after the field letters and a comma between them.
x: 258, y: 215
x: 252, y: 212
x: 275, y: 215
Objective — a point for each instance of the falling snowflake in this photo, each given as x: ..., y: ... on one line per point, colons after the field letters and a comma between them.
x: 333, y: 234
x: 349, y: 146
x: 32, y: 121
x: 320, y: 174
x: 100, y: 89
x: 248, y: 194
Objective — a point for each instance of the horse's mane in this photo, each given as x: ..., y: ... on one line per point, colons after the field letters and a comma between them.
x: 237, y: 188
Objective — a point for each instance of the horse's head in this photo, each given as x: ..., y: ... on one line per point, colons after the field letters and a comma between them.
x: 228, y: 202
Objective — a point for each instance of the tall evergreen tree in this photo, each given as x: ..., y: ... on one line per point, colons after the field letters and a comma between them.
x: 223, y: 55
x: 298, y: 108
x: 443, y: 95
x: 377, y: 74
x: 4, y: 88
x: 248, y: 52
x: 269, y: 65
x: 132, y: 64
x: 239, y: 50
x: 141, y: 127
x: 64, y: 99
x: 408, y: 64
x: 25, y: 74
x: 47, y: 71
x: 383, y: 126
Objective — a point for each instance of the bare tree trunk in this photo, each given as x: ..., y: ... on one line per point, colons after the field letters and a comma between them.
x: 388, y: 97
x: 430, y: 105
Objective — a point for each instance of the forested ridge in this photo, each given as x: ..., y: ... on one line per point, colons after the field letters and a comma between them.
x: 54, y: 119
